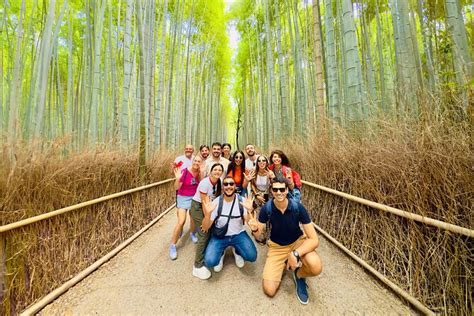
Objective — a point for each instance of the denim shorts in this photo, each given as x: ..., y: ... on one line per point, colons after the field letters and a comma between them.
x: 183, y: 201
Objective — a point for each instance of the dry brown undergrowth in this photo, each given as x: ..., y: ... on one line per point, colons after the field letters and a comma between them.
x: 426, y: 170
x: 41, y: 182
x: 42, y: 256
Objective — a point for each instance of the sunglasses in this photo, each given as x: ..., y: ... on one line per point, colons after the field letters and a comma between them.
x: 278, y: 189
x: 261, y: 161
x: 239, y: 157
x: 226, y: 184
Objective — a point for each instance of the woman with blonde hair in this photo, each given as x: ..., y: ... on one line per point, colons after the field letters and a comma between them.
x: 186, y: 184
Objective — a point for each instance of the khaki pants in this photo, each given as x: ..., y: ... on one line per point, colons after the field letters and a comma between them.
x: 197, y: 216
x: 276, y: 257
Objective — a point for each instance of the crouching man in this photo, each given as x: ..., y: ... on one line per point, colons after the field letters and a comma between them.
x: 287, y: 245
x: 228, y: 212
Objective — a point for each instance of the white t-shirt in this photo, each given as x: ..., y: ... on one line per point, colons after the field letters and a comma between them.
x: 236, y: 226
x: 223, y: 161
x: 187, y: 162
x: 251, y: 164
x: 205, y: 187
x: 262, y: 183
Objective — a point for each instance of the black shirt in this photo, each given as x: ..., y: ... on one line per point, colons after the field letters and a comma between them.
x: 285, y: 226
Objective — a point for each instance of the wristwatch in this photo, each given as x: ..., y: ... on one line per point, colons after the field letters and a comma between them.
x: 297, y: 255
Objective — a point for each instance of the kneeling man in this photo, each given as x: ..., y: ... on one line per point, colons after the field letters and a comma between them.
x: 287, y: 245
x: 228, y: 210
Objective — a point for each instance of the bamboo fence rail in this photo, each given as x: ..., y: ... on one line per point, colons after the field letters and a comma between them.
x: 398, y: 212
x: 39, y: 305
x: 416, y: 303
x: 6, y: 229
x: 425, y: 220
x: 415, y: 217
x: 60, y: 211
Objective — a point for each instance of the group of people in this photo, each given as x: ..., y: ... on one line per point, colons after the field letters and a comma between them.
x: 223, y: 192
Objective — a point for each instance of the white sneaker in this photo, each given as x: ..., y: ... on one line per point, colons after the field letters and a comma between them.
x: 173, y: 252
x: 239, y: 261
x: 202, y: 273
x: 218, y: 268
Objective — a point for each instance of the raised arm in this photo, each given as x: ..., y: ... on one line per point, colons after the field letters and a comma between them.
x: 289, y: 177
x: 248, y: 176
x: 247, y: 203
x: 207, y: 208
x: 177, y: 174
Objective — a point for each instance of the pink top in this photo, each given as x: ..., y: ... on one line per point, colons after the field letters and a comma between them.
x: 190, y: 183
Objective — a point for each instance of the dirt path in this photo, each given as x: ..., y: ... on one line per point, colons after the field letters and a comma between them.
x: 142, y: 280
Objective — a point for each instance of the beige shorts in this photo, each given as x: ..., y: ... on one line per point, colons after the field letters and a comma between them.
x: 276, y: 257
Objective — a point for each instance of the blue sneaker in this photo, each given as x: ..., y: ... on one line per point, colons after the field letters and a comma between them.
x: 301, y: 289
x: 173, y: 252
x: 193, y: 237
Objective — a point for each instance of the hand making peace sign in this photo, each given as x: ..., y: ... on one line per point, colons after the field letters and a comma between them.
x: 248, y: 204
x: 289, y: 176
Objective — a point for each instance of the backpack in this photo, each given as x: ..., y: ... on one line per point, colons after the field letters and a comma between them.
x: 220, y: 232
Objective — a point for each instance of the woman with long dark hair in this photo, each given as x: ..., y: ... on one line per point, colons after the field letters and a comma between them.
x: 280, y: 165
x: 260, y: 181
x: 211, y: 187
x: 237, y: 171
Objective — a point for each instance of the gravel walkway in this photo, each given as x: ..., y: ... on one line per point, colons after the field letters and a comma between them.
x: 142, y: 280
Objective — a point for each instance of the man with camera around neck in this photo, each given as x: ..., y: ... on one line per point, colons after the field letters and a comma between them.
x: 228, y: 229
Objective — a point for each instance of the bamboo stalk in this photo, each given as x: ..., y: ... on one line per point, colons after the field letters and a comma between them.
x: 396, y: 211
x: 417, y: 304
x: 36, y: 307
x: 41, y: 217
x: 3, y: 270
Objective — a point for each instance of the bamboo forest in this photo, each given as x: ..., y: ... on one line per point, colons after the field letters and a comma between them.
x: 373, y: 98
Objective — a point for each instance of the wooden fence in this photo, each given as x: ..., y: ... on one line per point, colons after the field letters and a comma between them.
x: 40, y: 253
x: 428, y: 259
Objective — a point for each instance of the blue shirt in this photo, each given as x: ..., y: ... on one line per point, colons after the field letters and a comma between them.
x: 285, y: 227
